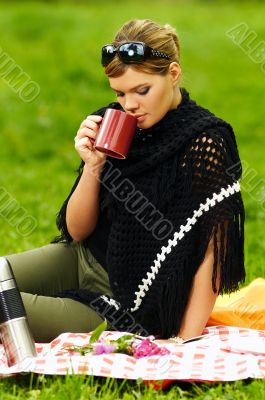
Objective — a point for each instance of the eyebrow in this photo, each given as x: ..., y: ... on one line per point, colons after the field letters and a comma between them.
x: 132, y: 89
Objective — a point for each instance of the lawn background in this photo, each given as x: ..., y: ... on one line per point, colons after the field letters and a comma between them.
x: 58, y: 45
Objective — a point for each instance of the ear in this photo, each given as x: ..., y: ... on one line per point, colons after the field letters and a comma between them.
x: 175, y: 72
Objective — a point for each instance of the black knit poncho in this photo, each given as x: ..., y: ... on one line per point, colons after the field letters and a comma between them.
x: 166, y: 200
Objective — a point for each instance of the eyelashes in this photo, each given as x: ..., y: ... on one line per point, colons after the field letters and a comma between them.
x: 145, y: 91
x: 142, y: 93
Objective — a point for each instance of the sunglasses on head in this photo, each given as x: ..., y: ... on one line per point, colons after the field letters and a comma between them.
x: 130, y: 53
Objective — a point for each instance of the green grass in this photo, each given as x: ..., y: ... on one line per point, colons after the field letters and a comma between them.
x: 58, y: 46
x: 79, y: 387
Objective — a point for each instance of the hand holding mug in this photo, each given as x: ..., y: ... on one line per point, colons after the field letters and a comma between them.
x: 85, y: 138
x: 111, y: 136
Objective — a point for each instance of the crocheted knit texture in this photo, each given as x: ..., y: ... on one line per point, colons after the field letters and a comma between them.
x: 177, y: 189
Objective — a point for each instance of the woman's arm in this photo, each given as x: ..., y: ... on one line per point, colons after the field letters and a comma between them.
x: 83, y: 206
x: 202, y: 297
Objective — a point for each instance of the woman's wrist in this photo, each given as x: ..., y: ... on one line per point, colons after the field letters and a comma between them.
x: 94, y: 169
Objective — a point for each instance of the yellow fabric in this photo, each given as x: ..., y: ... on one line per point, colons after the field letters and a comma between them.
x: 244, y: 308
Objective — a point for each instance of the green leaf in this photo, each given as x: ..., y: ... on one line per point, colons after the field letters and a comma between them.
x: 124, y: 342
x: 98, y: 331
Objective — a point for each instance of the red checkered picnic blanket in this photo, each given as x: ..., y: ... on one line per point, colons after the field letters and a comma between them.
x: 226, y: 353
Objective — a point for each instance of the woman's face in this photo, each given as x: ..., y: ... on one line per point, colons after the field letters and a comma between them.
x: 148, y: 97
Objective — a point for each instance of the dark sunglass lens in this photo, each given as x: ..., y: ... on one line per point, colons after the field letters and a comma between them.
x: 109, y: 50
x: 107, y: 54
x: 131, y: 52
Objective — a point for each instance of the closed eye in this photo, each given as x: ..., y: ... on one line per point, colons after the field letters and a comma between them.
x: 143, y: 92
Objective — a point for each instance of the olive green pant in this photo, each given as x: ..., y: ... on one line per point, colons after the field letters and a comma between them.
x: 41, y: 273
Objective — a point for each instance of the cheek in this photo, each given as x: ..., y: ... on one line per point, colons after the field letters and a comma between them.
x: 160, y: 93
x: 154, y: 98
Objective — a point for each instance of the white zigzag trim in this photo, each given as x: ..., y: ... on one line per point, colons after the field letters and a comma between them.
x: 210, y: 202
x: 111, y: 302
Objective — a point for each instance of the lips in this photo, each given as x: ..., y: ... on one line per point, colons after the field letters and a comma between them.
x: 141, y: 117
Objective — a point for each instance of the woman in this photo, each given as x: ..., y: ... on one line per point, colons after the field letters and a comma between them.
x: 147, y: 242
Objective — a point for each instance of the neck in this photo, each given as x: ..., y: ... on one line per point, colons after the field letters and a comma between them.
x: 176, y: 99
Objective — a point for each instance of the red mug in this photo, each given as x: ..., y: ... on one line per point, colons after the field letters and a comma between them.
x: 115, y: 134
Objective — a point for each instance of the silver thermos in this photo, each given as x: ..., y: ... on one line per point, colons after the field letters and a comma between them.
x: 15, y: 334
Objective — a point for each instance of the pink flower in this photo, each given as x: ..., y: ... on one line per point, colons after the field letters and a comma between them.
x: 147, y: 348
x: 103, y: 348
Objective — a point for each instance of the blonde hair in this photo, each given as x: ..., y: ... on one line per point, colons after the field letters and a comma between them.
x: 160, y: 37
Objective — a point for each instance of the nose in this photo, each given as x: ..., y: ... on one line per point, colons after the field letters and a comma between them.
x: 130, y: 104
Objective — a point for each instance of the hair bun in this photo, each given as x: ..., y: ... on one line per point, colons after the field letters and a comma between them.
x: 171, y: 31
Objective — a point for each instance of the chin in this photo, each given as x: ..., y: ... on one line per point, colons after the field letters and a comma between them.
x: 145, y: 124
